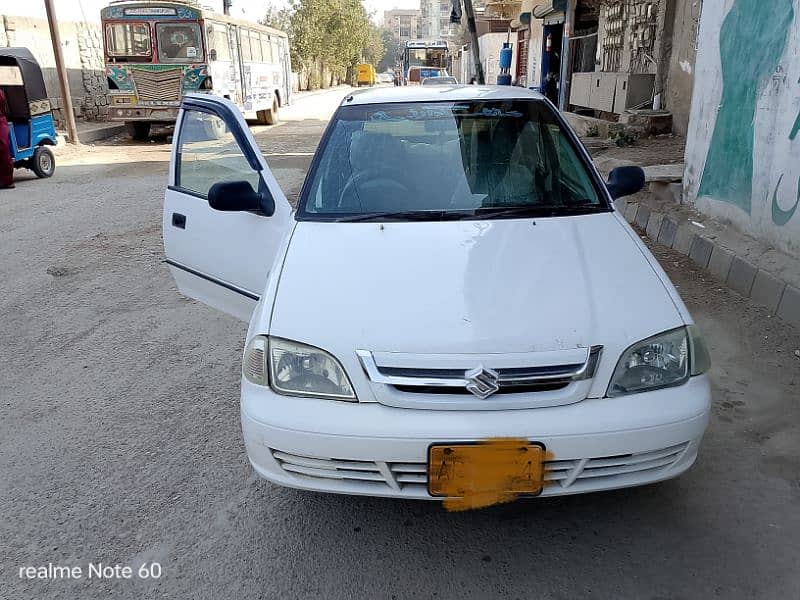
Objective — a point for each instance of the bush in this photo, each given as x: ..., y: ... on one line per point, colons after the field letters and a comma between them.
x: 623, y: 137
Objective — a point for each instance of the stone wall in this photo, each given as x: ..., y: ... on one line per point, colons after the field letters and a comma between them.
x: 82, y: 48
x: 95, y: 85
x: 743, y: 148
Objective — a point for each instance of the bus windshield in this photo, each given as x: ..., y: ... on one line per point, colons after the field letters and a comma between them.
x: 128, y: 40
x: 417, y: 58
x: 179, y: 42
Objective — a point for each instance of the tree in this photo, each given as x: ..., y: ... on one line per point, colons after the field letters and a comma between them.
x: 279, y: 18
x: 328, y: 36
x: 391, y: 49
x: 375, y: 49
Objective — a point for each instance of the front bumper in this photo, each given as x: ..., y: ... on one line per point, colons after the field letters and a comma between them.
x: 375, y: 450
x: 166, y: 114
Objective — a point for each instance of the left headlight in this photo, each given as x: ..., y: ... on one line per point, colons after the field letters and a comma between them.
x: 664, y: 360
x: 295, y: 369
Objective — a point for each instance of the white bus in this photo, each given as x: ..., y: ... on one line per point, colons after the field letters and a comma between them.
x: 157, y: 51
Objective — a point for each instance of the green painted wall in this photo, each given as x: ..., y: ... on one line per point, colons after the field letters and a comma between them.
x: 752, y: 41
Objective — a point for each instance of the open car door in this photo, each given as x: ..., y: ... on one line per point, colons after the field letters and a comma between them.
x: 225, y: 215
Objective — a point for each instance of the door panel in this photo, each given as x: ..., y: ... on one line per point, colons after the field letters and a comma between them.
x: 219, y: 258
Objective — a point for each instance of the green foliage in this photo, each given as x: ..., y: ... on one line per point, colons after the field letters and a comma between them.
x: 329, y: 35
x: 279, y: 18
x: 391, y: 51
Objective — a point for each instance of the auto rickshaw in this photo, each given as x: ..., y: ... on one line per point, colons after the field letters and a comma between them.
x: 30, y: 117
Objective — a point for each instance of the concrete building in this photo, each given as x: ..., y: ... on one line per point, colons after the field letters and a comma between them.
x: 743, y: 147
x: 614, y: 56
x: 492, y: 33
x: 527, y: 69
x: 435, y: 20
x: 403, y: 23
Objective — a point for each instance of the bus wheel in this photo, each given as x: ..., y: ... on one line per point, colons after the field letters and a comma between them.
x: 43, y: 162
x: 269, y: 116
x: 138, y: 130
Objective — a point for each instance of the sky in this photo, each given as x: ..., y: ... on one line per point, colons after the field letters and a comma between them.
x: 78, y: 10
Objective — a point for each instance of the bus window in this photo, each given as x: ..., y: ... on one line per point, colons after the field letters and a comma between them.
x: 266, y: 49
x: 218, y: 41
x: 276, y: 51
x: 244, y: 40
x: 128, y: 40
x: 255, y: 47
x: 179, y: 42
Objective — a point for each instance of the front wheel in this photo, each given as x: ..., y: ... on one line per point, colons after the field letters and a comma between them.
x: 138, y: 130
x: 43, y: 162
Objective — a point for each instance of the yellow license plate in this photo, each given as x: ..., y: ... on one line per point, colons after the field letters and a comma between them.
x: 501, y: 466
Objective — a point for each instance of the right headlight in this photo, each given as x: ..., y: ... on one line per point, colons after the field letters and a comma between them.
x: 664, y: 360
x: 294, y: 369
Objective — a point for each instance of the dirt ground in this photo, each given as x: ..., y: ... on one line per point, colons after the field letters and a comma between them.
x: 657, y: 150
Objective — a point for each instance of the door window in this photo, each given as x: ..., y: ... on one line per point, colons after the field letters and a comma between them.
x: 208, y: 154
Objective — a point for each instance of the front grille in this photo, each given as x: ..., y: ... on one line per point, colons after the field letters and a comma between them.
x: 567, y: 473
x: 511, y: 380
x: 154, y: 86
x: 547, y: 386
x: 394, y: 475
x: 413, y: 476
x: 462, y: 375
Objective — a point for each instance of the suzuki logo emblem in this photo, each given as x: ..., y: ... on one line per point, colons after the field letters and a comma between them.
x: 482, y: 382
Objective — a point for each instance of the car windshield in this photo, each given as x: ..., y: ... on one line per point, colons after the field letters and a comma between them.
x: 445, y: 160
x: 179, y: 42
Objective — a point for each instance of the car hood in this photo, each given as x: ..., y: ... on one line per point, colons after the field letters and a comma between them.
x: 471, y: 287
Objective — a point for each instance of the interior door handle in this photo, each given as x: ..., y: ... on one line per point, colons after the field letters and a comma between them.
x: 179, y: 220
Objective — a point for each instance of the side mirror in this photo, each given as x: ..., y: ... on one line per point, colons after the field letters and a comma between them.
x: 624, y: 181
x: 237, y: 196
x: 212, y: 54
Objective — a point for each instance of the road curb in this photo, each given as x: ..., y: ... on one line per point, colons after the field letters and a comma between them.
x: 738, y: 272
x: 103, y: 131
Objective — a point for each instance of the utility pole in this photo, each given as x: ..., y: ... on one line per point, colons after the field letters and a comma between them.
x: 63, y: 83
x: 473, y: 33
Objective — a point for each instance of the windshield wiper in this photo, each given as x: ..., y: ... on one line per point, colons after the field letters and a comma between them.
x: 530, y: 210
x: 407, y: 215
x: 539, y: 210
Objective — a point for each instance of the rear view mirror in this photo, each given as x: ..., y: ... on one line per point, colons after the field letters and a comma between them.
x: 212, y: 54
x: 624, y: 181
x: 234, y: 196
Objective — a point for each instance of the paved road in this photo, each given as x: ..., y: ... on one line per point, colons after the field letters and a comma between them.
x: 120, y: 440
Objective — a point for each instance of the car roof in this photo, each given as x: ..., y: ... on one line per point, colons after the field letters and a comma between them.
x: 433, y: 93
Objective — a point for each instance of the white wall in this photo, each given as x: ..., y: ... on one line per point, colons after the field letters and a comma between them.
x: 535, y: 53
x: 490, y: 45
x: 743, y: 146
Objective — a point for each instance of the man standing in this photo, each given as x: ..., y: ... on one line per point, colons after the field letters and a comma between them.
x: 6, y: 162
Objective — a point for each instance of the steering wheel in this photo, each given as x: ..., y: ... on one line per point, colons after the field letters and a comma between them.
x: 384, y: 180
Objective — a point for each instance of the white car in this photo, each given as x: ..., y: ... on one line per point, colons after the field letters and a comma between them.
x: 455, y: 272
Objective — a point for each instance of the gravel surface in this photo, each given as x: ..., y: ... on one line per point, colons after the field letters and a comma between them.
x: 120, y: 440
